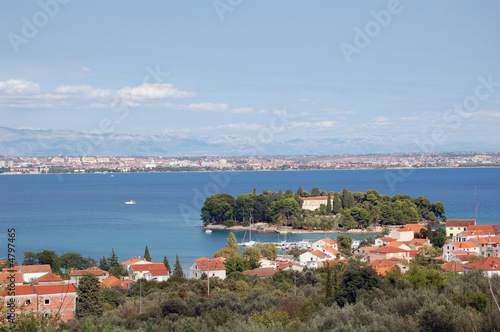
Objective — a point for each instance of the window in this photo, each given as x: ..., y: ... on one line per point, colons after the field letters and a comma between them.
x: 28, y: 301
x: 61, y: 299
x: 46, y: 301
x: 47, y: 315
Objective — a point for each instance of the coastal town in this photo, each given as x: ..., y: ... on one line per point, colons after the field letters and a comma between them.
x: 124, y: 164
x: 40, y: 289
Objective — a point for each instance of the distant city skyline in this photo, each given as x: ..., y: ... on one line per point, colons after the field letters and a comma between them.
x: 261, y: 77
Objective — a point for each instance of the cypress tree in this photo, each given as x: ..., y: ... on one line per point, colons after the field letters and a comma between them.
x: 178, y: 268
x: 337, y: 204
x: 113, y: 259
x: 329, y: 204
x: 232, y: 242
x: 348, y: 199
x: 167, y: 264
x: 147, y: 256
x: 90, y: 302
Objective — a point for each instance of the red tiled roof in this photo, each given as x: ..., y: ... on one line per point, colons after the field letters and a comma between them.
x: 330, y: 249
x: 387, y: 239
x: 369, y: 249
x: 382, y: 263
x: 134, y: 260
x: 452, y: 266
x: 215, y: 264
x: 486, y: 240
x: 488, y: 264
x: 55, y: 289
x: 49, y: 277
x: 395, y: 244
x: 404, y: 230
x: 388, y: 249
x: 153, y: 268
x: 460, y: 222
x: 328, y: 240
x: 317, y: 198
x: 484, y: 228
x: 464, y: 244
x: 35, y: 268
x: 318, y: 253
x: 126, y: 283
x: 414, y: 227
x: 419, y: 242
x: 79, y: 273
x: 20, y: 290
x: 334, y: 262
x: 111, y: 281
x: 413, y: 253
x: 4, y: 277
x: 261, y: 272
x: 283, y: 266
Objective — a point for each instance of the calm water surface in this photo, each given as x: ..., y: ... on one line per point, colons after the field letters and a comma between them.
x: 86, y: 212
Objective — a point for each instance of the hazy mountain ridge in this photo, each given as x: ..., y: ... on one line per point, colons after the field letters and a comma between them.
x: 54, y: 142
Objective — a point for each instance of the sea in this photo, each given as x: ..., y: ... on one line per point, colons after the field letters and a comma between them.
x: 87, y: 213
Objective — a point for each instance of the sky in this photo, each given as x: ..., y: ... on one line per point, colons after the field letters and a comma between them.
x: 426, y: 72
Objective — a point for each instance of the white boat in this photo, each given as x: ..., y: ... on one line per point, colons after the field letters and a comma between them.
x: 208, y: 231
x: 130, y: 202
x: 250, y: 243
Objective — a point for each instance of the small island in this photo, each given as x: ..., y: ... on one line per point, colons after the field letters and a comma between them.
x: 318, y: 211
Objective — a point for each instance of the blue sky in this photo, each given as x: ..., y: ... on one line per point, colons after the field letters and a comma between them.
x: 416, y: 71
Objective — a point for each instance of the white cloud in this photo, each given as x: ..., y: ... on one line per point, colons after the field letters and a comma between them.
x: 262, y: 112
x: 17, y: 93
x: 242, y: 126
x: 409, y: 118
x: 242, y: 110
x: 335, y: 111
x: 86, y: 70
x: 208, y: 107
x: 309, y: 124
x: 379, y: 121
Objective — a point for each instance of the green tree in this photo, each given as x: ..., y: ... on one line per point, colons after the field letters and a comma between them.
x: 90, y: 302
x: 167, y: 264
x: 232, y: 242
x: 226, y: 253
x: 73, y: 260
x: 315, y: 192
x: 103, y: 264
x: 112, y: 261
x: 268, y: 250
x: 285, y: 211
x: 217, y: 208
x: 252, y: 253
x: 178, y: 273
x: 147, y: 256
x: 355, y: 279
x: 344, y: 242
x: 236, y: 264
x: 337, y: 204
x: 30, y: 258
x: 49, y: 257
x: 347, y: 199
x: 329, y: 204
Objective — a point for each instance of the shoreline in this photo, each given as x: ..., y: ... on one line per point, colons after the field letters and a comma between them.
x: 264, y: 229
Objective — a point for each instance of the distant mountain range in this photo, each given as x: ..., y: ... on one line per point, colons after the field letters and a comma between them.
x: 26, y: 142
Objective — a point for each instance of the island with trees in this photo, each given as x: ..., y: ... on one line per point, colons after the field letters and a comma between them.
x: 343, y: 211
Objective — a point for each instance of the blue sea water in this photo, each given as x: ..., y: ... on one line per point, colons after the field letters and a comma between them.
x: 86, y: 212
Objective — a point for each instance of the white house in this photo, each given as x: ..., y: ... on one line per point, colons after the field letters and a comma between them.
x: 454, y: 247
x: 33, y: 272
x: 325, y: 241
x: 134, y: 260
x: 207, y: 266
x: 330, y: 251
x: 313, y: 203
x: 74, y: 275
x: 312, y: 258
x: 383, y: 241
x: 402, y: 234
x: 490, y: 265
x: 151, y: 271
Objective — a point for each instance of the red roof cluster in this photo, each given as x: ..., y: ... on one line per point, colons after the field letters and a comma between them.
x: 215, y: 264
x: 460, y: 222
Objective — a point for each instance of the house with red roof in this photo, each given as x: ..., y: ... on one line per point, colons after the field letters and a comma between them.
x: 74, y: 275
x: 383, y: 241
x: 51, y: 300
x: 8, y: 277
x: 382, y: 267
x: 313, y: 203
x: 387, y: 253
x: 402, y: 234
x: 453, y: 267
x: 453, y: 247
x: 397, y: 244
x: 333, y: 262
x: 416, y: 228
x: 134, y: 260
x: 49, y: 278
x: 313, y: 258
x: 325, y: 241
x: 207, y: 266
x: 455, y: 226
x: 150, y: 271
x: 330, y: 251
x: 490, y: 266
x: 416, y: 244
x: 284, y: 266
x: 30, y: 272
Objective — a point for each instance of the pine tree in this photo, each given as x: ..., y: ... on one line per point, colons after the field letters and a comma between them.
x: 329, y: 204
x: 103, y: 264
x: 232, y: 242
x: 178, y: 273
x: 167, y: 264
x: 90, y: 302
x: 113, y: 259
x: 347, y: 199
x: 337, y: 204
x: 147, y: 256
